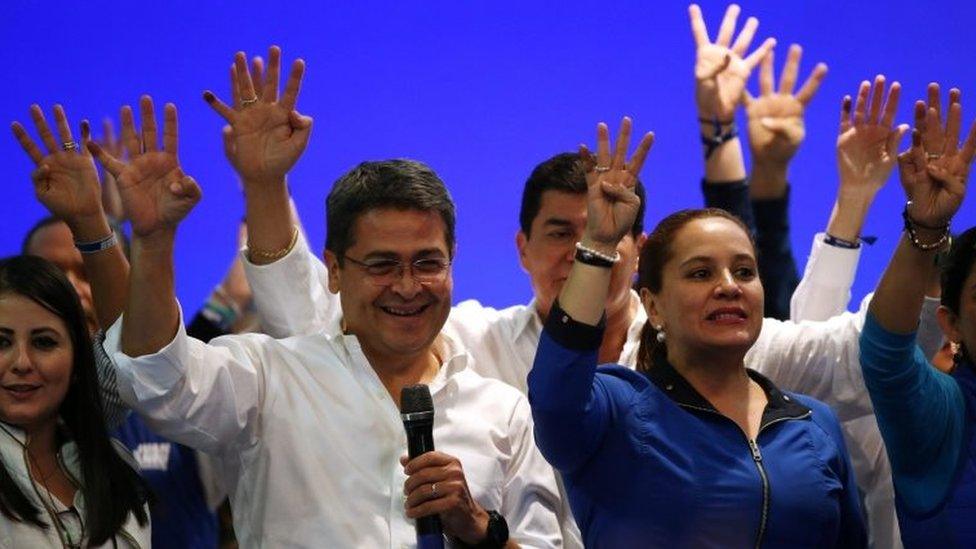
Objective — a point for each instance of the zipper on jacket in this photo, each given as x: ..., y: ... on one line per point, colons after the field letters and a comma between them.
x: 757, y: 458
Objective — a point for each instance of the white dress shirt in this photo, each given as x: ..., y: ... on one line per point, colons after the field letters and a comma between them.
x: 310, y: 440
x: 824, y: 292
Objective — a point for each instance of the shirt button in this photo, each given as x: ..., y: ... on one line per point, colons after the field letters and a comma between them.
x: 565, y: 319
x: 670, y: 387
x: 786, y: 398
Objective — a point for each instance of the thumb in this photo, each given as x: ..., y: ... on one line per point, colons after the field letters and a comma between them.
x: 40, y: 174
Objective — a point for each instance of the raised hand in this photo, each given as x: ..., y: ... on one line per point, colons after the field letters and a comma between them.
x: 111, y: 200
x: 935, y: 182
x: 722, y: 67
x: 65, y: 181
x: 867, y: 145
x: 612, y: 204
x: 776, y: 126
x: 928, y: 118
x: 266, y: 135
x: 156, y: 194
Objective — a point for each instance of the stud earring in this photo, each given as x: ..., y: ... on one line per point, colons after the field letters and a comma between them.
x: 660, y: 334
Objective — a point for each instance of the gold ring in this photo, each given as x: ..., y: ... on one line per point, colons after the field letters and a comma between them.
x: 247, y: 102
x: 69, y: 145
x: 433, y: 489
x: 601, y: 169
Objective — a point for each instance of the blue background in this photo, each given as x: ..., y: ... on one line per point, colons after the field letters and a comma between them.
x: 480, y: 91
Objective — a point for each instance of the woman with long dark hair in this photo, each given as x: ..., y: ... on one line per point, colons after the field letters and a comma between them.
x: 692, y: 449
x: 63, y: 482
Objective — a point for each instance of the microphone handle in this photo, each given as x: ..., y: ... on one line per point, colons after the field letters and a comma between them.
x: 420, y: 440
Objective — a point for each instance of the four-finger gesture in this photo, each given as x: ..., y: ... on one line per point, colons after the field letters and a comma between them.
x: 156, y: 194
x: 436, y: 486
x: 722, y: 67
x: 266, y: 135
x: 867, y: 146
x: 612, y: 204
x: 935, y: 182
x: 65, y: 181
x: 776, y: 126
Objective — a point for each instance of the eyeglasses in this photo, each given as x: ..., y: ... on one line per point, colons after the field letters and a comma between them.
x: 385, y: 272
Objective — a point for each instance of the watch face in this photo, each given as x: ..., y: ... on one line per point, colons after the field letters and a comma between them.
x: 497, y: 528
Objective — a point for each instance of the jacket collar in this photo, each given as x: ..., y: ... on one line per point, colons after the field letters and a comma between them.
x: 779, y: 405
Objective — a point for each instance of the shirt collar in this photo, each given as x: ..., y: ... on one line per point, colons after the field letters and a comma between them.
x: 779, y: 405
x: 454, y: 356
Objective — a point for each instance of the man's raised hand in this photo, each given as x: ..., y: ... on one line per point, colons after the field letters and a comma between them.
x: 265, y: 134
x: 156, y: 194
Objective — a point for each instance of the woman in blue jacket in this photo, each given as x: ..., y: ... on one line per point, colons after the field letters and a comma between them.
x: 926, y: 417
x: 692, y: 449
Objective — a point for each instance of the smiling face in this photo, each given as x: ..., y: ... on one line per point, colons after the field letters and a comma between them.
x: 547, y: 255
x: 399, y: 320
x: 36, y: 357
x: 710, y: 300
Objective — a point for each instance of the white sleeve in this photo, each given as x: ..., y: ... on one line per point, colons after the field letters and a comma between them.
x: 825, y: 288
x: 530, y: 498
x: 819, y: 359
x: 203, y: 396
x: 291, y: 295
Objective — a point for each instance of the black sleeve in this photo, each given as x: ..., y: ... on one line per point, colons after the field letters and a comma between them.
x: 777, y: 267
x: 732, y: 197
x: 203, y: 328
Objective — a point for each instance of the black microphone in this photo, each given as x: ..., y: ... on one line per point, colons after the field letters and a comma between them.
x: 417, y: 412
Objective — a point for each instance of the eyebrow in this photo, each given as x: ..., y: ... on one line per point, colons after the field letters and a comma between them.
x: 557, y: 222
x: 426, y: 252
x: 706, y: 259
x: 43, y: 329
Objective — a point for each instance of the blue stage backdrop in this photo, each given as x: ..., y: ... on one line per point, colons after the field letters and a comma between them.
x: 481, y: 91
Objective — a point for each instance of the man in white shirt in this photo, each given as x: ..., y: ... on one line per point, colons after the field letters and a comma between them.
x: 308, y: 428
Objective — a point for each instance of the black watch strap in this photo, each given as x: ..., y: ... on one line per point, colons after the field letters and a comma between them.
x: 497, y: 535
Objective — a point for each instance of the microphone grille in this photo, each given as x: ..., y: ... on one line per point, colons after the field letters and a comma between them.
x: 415, y: 398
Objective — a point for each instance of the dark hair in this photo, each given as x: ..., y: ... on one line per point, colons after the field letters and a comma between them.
x: 51, y: 220
x: 563, y: 173
x: 655, y: 254
x: 957, y: 264
x: 399, y: 184
x: 112, y: 489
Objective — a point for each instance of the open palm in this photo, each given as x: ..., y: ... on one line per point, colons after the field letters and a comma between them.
x: 65, y: 181
x: 936, y: 186
x: 266, y: 136
x: 722, y: 67
x: 612, y: 204
x: 867, y: 145
x: 156, y: 194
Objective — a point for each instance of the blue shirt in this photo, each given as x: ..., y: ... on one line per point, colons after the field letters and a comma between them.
x: 648, y: 462
x: 926, y: 419
x: 181, y: 518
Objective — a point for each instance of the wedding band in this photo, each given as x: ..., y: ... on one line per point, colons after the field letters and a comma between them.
x: 932, y: 156
x: 251, y: 101
x: 69, y: 145
x: 433, y: 489
x: 601, y: 169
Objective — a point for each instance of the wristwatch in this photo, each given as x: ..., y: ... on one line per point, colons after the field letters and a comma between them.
x: 497, y: 535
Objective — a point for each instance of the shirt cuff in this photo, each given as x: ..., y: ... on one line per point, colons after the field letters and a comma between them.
x: 831, y: 266
x: 571, y: 334
x: 148, y: 376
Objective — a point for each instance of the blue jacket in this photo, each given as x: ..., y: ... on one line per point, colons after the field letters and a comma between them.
x: 648, y: 462
x: 927, y: 420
